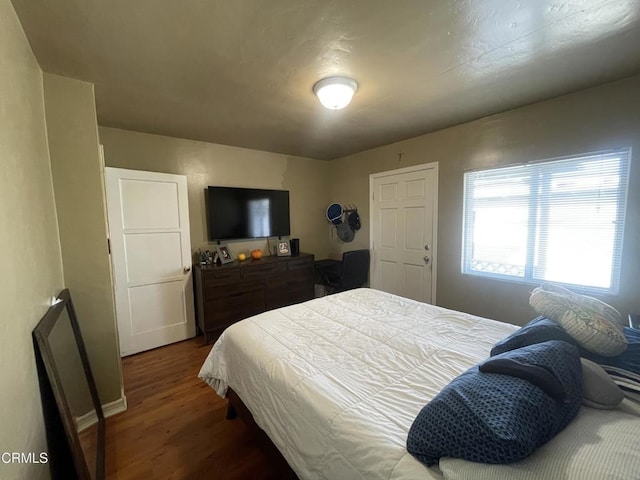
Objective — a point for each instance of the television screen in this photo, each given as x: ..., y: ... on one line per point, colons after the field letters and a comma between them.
x: 236, y: 213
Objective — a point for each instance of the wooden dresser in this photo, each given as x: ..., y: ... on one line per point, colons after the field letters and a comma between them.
x: 231, y: 292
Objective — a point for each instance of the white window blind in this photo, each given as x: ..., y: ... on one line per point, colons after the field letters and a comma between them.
x: 560, y: 221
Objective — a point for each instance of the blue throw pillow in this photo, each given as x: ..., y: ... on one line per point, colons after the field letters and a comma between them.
x: 628, y: 360
x: 542, y: 329
x: 538, y: 330
x: 496, y: 418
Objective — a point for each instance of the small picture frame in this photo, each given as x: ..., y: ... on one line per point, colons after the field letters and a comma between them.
x: 224, y: 254
x: 284, y: 248
x: 273, y: 245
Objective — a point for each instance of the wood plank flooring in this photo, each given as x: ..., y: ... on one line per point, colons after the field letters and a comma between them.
x: 175, y: 426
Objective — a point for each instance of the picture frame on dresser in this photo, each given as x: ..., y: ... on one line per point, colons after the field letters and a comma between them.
x: 284, y: 247
x: 224, y: 253
x: 272, y: 243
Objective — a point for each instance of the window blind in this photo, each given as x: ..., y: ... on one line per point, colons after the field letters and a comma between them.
x: 560, y: 221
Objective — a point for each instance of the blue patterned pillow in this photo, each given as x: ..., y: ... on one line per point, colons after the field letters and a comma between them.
x: 538, y: 330
x: 542, y: 329
x: 628, y: 360
x: 495, y: 418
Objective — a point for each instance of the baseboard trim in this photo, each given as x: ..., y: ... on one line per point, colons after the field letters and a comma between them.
x: 108, y: 409
x: 85, y: 421
x: 117, y: 406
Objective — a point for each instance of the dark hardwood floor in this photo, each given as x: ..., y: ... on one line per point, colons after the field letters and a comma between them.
x: 175, y: 425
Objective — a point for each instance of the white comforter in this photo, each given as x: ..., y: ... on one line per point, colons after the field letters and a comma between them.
x: 336, y: 382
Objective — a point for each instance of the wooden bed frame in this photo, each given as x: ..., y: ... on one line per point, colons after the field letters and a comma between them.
x: 237, y: 408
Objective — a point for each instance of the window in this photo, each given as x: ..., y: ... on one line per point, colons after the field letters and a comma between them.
x: 560, y: 221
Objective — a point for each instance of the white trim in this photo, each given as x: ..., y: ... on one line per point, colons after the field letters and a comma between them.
x: 434, y: 255
x: 85, y: 421
x: 108, y: 409
x: 117, y: 406
x: 398, y: 171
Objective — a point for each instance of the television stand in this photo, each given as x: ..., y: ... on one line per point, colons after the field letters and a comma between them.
x: 228, y: 293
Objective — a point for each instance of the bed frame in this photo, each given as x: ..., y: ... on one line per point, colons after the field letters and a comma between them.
x: 236, y: 408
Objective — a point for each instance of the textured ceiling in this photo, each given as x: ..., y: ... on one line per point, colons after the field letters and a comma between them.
x: 241, y: 72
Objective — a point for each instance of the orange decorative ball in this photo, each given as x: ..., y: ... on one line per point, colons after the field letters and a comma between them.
x: 256, y: 254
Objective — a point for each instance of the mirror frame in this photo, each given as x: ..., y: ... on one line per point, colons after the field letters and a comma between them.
x: 51, y: 386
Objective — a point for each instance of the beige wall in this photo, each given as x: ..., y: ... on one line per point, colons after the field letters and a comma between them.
x: 207, y: 164
x: 603, y: 117
x: 79, y: 193
x: 29, y: 244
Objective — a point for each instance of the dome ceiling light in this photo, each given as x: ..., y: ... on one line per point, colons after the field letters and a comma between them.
x: 335, y: 93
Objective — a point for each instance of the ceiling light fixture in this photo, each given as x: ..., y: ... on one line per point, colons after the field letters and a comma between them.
x: 335, y: 93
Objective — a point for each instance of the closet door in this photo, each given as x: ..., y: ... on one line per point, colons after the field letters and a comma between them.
x: 403, y: 231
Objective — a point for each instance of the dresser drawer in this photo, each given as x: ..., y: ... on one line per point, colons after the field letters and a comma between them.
x: 233, y: 304
x: 300, y: 275
x: 228, y: 292
x: 263, y: 271
x: 219, y: 319
x: 220, y: 276
x: 292, y: 289
x: 220, y: 287
x: 305, y: 263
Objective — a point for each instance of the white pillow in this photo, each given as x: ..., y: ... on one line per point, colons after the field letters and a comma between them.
x: 592, y: 323
x: 604, y: 309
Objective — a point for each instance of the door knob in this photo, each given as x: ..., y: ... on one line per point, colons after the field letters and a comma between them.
x: 427, y: 247
x: 186, y: 269
x: 426, y: 259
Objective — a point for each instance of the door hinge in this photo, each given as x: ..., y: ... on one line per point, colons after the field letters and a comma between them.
x: 109, y: 245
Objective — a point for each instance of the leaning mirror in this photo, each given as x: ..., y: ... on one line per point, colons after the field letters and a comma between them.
x: 73, y: 414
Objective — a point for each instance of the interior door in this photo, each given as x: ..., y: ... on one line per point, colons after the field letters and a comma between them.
x: 403, y: 231
x: 151, y: 256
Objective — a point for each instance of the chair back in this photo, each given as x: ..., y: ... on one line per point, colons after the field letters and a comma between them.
x: 355, y: 269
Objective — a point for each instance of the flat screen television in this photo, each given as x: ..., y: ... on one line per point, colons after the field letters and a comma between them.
x: 236, y: 213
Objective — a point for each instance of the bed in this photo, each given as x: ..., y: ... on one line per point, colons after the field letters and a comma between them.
x: 336, y: 383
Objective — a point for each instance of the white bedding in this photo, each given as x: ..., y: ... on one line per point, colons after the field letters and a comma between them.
x: 336, y: 383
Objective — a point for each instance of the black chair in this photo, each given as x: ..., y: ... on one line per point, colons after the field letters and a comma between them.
x: 354, y: 272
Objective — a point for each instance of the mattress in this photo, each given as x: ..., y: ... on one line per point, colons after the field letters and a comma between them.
x: 336, y: 383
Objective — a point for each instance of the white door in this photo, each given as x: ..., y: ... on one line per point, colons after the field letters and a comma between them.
x: 403, y: 231
x: 151, y: 257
